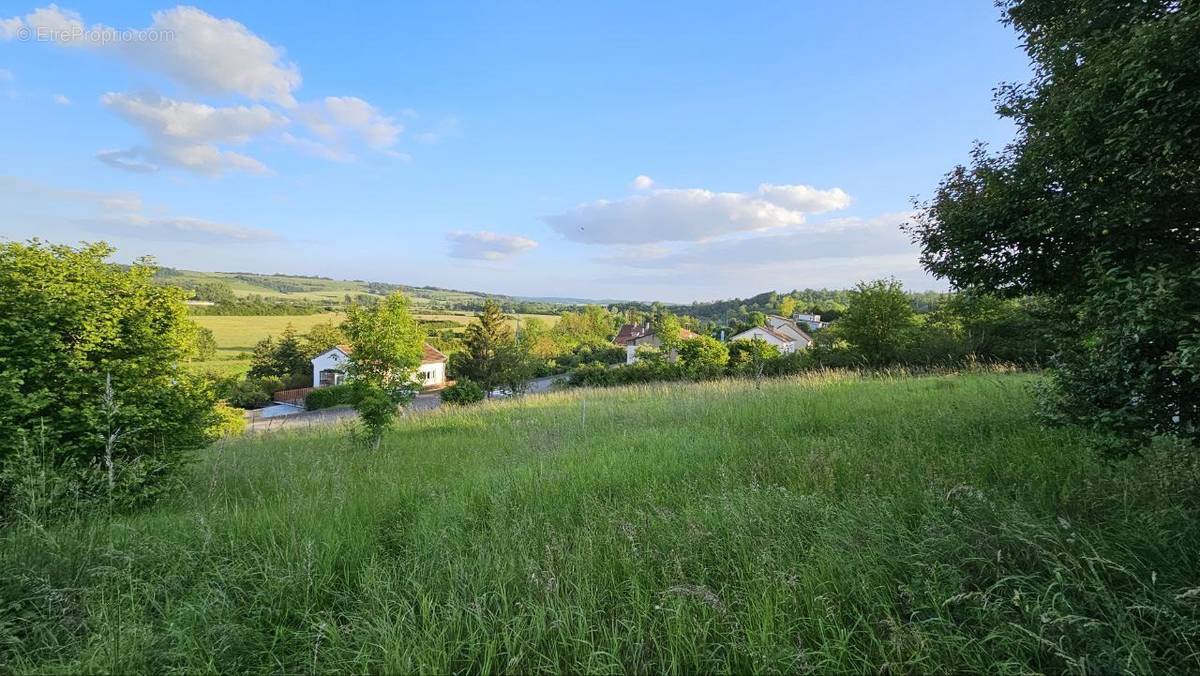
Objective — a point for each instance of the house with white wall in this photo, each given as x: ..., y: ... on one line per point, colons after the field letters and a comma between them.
x: 329, y: 367
x: 781, y: 332
x: 633, y: 336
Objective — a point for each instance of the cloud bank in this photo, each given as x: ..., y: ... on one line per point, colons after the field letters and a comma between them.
x: 693, y: 214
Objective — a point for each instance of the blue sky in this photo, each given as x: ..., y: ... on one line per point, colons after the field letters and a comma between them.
x: 671, y: 151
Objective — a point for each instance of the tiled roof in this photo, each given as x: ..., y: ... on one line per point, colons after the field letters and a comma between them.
x: 430, y: 355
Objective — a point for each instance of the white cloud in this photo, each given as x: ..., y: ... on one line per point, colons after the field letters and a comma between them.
x: 178, y: 229
x: 10, y: 28
x: 119, y: 213
x: 185, y: 134
x: 642, y: 182
x: 62, y: 100
x: 805, y: 197
x: 486, y: 245
x: 340, y: 121
x: 837, y: 238
x: 214, y: 57
x: 209, y: 55
x: 692, y: 214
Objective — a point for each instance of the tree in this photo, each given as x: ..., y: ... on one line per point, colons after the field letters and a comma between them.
x: 703, y: 354
x: 91, y: 355
x: 667, y: 329
x: 483, y: 341
x: 284, y: 358
x: 206, y: 343
x: 592, y: 327
x: 787, y: 306
x: 387, y: 345
x: 878, y: 320
x: 1094, y: 205
x: 320, y: 338
x: 750, y: 357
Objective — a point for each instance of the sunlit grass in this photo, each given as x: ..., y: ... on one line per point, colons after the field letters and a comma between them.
x: 825, y: 523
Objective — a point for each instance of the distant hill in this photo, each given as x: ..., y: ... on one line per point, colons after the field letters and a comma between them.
x: 304, y: 289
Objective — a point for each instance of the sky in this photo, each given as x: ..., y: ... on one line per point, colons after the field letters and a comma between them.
x: 615, y: 150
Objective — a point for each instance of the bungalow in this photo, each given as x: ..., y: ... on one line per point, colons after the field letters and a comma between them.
x: 781, y: 332
x: 329, y: 367
x: 633, y: 336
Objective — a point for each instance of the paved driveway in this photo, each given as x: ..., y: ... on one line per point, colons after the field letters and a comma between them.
x: 332, y: 416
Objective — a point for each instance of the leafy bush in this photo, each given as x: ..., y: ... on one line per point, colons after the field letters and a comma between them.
x: 462, y: 392
x: 229, y: 422
x: 328, y: 397
x: 249, y: 393
x: 92, y: 355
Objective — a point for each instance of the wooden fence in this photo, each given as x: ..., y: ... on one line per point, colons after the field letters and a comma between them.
x: 293, y: 397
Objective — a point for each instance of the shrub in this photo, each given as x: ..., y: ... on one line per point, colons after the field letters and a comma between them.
x: 92, y: 355
x: 328, y: 397
x: 229, y: 422
x: 462, y: 392
x: 249, y: 392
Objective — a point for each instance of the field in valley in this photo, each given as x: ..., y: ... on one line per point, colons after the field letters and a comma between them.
x: 236, y: 334
x: 818, y: 524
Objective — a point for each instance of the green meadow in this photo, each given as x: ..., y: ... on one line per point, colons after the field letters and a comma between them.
x: 844, y: 523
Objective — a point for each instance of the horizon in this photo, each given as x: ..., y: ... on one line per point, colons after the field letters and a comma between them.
x: 682, y: 153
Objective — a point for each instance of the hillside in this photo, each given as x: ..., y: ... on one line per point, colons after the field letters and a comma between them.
x: 323, y: 289
x: 831, y: 523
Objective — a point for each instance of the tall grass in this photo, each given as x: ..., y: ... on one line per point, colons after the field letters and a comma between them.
x: 827, y: 523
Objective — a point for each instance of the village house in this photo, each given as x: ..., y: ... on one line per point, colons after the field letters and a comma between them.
x: 329, y: 367
x: 813, y: 322
x: 781, y: 332
x: 633, y: 336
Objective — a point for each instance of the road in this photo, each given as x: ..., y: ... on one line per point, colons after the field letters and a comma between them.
x: 332, y: 416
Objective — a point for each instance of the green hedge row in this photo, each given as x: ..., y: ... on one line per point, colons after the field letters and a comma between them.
x: 327, y: 397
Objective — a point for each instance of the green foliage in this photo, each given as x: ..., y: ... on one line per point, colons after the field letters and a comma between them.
x: 703, y: 354
x: 667, y: 328
x: 206, y: 344
x: 328, y: 397
x: 488, y: 349
x: 91, y: 355
x: 284, y: 359
x: 229, y: 421
x: 376, y: 410
x: 387, y: 347
x: 878, y: 321
x: 462, y: 392
x: 248, y: 393
x: 826, y: 524
x: 320, y: 338
x: 1094, y: 205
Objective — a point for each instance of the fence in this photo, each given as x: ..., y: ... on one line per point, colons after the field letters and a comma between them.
x: 293, y: 397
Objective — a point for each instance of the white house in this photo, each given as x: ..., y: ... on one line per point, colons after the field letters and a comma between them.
x: 329, y: 367
x: 633, y: 336
x: 781, y: 332
x: 813, y: 322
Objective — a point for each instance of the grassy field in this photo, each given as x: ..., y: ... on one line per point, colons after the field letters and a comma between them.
x: 236, y: 335
x: 831, y: 523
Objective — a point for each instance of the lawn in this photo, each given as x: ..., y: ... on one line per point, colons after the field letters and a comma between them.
x: 817, y: 524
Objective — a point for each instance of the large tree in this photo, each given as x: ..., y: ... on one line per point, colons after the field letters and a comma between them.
x: 878, y: 320
x: 91, y: 385
x: 1095, y: 204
